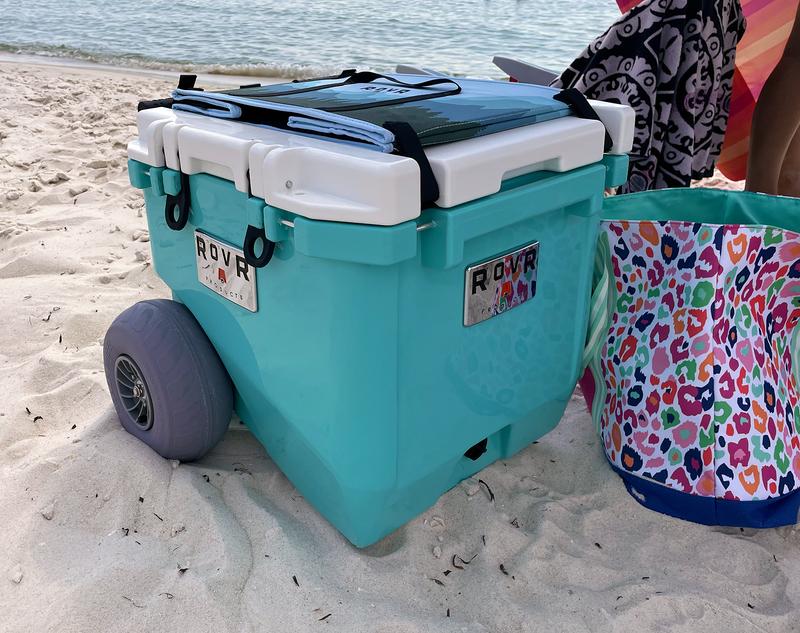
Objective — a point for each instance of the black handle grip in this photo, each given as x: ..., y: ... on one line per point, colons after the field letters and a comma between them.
x: 181, y: 201
x: 253, y: 235
x: 155, y: 103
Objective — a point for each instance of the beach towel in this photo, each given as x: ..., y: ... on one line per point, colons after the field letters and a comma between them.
x: 694, y: 356
x: 673, y: 62
x: 768, y: 25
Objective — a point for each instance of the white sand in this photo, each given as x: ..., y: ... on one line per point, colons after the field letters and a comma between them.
x: 98, y: 533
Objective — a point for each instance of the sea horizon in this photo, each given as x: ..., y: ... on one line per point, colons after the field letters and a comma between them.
x: 231, y: 37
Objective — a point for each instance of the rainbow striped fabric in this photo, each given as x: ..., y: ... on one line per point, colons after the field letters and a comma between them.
x: 769, y: 23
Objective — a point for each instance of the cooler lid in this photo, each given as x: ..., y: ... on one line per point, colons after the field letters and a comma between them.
x: 347, y: 182
x: 361, y: 106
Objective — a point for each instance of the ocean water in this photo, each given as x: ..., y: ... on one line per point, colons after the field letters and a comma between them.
x: 302, y: 38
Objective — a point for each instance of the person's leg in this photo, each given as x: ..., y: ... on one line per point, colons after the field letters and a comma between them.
x: 776, y: 120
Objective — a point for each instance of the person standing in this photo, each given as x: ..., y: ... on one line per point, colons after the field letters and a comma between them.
x: 774, y: 163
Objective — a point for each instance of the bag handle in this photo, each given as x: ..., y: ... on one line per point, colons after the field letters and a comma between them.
x: 351, y: 77
x: 366, y: 77
x: 601, y: 302
x: 794, y: 347
x: 601, y: 308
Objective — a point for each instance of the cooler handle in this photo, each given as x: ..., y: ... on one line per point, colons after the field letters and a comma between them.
x: 252, y: 236
x: 181, y: 201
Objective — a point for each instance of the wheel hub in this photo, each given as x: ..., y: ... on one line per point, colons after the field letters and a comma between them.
x: 133, y: 392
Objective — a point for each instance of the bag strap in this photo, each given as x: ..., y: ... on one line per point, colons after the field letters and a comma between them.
x: 583, y: 109
x: 345, y: 73
x: 370, y: 76
x: 154, y: 103
x: 350, y: 77
x: 794, y: 350
x: 600, y: 305
x: 185, y: 82
x: 601, y: 308
x: 365, y: 77
x: 407, y: 143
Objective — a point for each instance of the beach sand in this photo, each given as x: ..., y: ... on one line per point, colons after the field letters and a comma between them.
x: 98, y: 533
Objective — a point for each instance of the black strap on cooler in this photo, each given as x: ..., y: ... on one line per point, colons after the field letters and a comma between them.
x: 575, y: 99
x: 407, y: 143
x: 185, y: 82
x: 155, y: 103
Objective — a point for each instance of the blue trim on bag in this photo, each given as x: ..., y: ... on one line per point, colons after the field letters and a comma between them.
x: 766, y: 513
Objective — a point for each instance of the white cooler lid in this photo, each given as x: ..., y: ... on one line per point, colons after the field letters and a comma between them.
x: 327, y: 180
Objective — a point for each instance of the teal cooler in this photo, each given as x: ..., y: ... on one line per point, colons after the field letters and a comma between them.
x: 381, y: 365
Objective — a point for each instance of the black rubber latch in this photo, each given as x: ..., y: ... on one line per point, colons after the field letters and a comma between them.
x: 181, y: 201
x: 253, y: 235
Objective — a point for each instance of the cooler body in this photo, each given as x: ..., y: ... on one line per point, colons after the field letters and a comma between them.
x: 395, y: 343
x: 357, y: 371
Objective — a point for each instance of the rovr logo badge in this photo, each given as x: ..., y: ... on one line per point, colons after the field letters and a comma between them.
x: 497, y: 285
x: 224, y: 270
x: 212, y: 250
x: 526, y: 259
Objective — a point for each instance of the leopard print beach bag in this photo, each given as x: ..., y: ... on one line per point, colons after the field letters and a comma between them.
x: 693, y: 356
